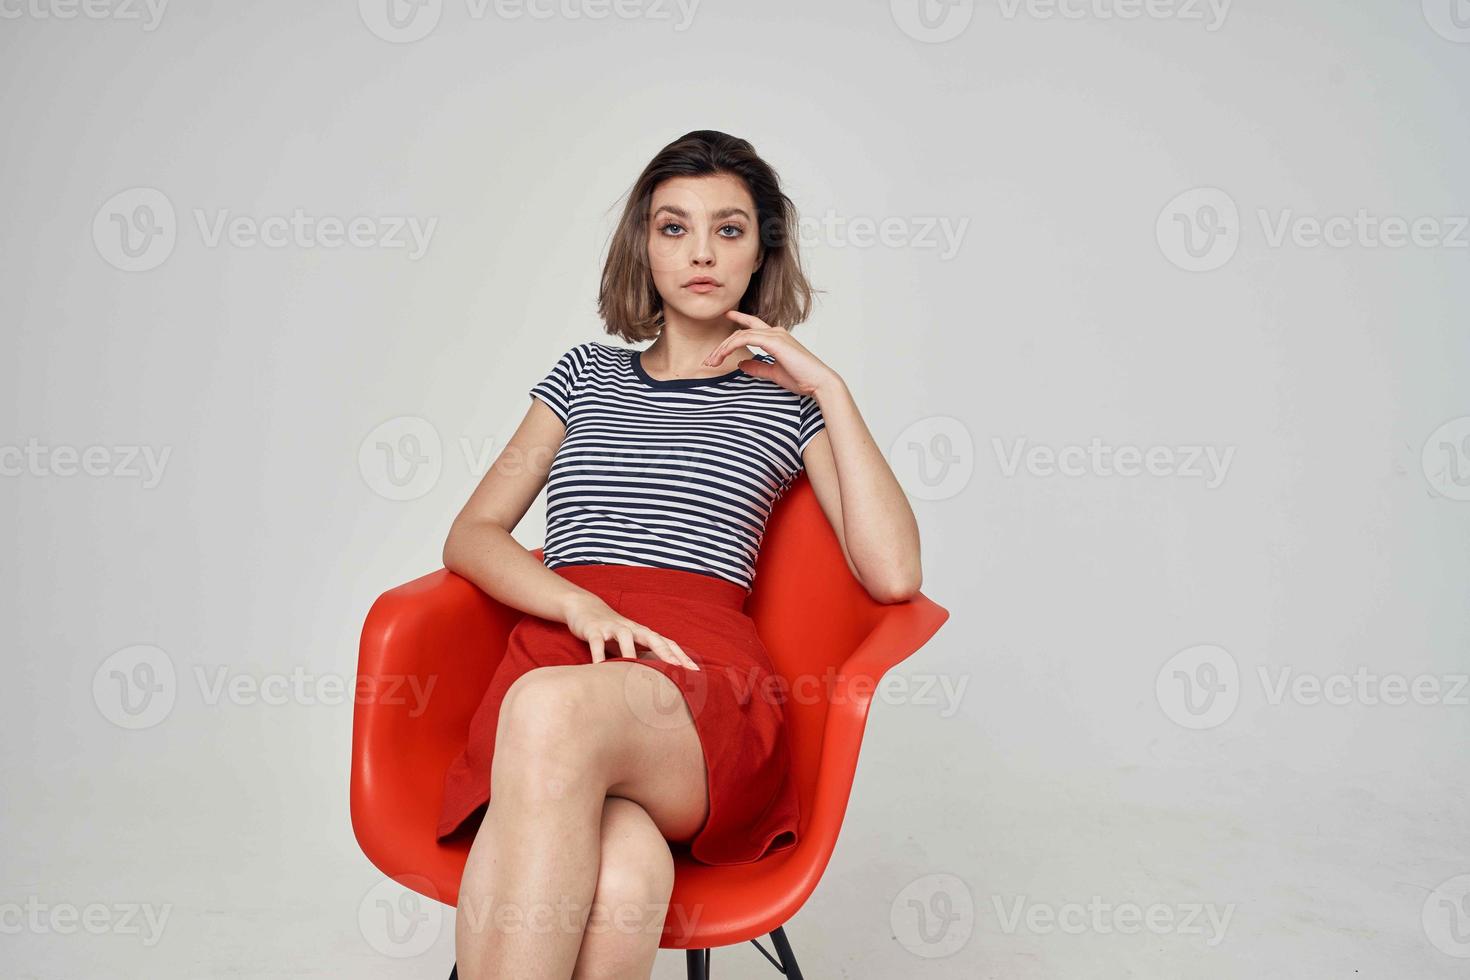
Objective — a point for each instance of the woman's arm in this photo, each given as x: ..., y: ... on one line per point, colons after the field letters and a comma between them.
x: 852, y: 480
x: 480, y: 547
x: 863, y: 501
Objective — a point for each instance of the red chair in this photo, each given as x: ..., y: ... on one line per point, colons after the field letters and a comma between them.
x: 815, y: 619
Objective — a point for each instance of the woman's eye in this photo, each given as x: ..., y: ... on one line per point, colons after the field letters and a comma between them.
x: 664, y: 229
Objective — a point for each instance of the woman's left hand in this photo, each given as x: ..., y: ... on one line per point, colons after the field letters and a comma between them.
x: 796, y: 369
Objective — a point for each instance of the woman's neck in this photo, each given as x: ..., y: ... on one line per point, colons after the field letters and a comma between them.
x: 680, y: 350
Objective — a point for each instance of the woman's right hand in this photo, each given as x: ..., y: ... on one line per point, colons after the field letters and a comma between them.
x: 593, y: 620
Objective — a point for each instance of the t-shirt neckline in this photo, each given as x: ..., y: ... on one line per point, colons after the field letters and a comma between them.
x: 646, y: 378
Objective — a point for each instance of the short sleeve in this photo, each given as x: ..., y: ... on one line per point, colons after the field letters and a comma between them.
x: 559, y: 386
x: 810, y: 424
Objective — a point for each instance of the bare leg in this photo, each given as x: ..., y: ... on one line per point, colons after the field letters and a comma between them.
x: 568, y: 737
x: 634, y: 881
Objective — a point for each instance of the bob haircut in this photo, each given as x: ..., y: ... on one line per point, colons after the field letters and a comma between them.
x: 778, y: 293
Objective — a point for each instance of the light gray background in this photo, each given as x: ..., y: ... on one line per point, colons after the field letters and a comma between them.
x: 1333, y: 835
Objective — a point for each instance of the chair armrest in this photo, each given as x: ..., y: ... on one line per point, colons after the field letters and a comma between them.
x: 900, y: 630
x: 428, y: 650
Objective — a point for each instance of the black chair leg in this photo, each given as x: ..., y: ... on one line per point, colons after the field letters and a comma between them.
x: 787, y: 962
x: 783, y: 950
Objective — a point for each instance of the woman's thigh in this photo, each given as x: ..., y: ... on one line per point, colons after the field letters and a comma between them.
x: 644, y: 735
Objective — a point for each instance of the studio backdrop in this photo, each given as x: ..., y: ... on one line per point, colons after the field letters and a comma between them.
x: 1158, y: 311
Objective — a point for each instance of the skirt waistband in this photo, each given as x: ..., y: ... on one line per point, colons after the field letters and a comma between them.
x: 604, y: 579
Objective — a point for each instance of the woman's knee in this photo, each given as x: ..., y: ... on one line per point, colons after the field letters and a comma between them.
x: 635, y: 875
x: 543, y: 740
x: 634, y: 880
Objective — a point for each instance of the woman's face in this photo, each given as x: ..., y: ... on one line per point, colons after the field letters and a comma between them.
x: 702, y: 227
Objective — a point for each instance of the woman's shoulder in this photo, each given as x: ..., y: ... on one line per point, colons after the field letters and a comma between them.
x: 590, y: 353
x: 594, y: 349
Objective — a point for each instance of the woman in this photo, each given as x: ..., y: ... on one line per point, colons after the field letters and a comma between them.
x: 661, y: 467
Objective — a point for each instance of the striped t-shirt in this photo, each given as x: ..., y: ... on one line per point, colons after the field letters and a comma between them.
x: 671, y: 474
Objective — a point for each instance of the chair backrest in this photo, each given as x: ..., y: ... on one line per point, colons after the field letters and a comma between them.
x: 811, y: 615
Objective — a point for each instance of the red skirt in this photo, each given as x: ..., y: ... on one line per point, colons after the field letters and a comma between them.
x: 734, y: 698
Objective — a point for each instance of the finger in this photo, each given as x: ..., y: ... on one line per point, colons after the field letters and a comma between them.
x: 748, y: 319
x: 662, y: 646
x: 595, y: 642
x: 625, y: 641
x: 669, y: 651
x: 680, y: 651
x: 676, y: 655
x: 745, y: 335
x: 723, y: 347
x: 761, y: 369
x: 773, y: 340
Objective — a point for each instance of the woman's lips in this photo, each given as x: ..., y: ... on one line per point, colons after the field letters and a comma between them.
x: 702, y: 287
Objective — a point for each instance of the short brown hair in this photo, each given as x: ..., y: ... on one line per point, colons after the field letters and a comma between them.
x: 779, y: 292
